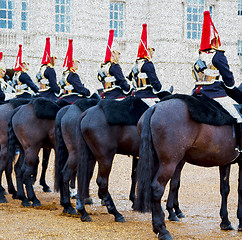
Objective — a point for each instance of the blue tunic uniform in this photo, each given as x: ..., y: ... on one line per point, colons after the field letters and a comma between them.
x: 2, y: 95
x: 116, y: 71
x: 216, y: 89
x: 50, y: 74
x: 78, y: 91
x: 24, y: 78
x: 148, y: 68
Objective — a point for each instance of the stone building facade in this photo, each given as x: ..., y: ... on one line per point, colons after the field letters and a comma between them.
x: 174, y: 30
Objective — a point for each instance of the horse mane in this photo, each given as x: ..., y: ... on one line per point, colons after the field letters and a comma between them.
x: 126, y: 112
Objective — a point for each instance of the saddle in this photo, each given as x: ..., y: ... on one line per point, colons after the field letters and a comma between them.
x: 16, y: 102
x: 45, y: 108
x: 205, y: 110
x: 125, y: 112
x: 85, y: 103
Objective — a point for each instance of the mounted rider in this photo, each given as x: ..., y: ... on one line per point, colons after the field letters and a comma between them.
x: 207, y: 75
x: 2, y: 82
x: 111, y: 76
x: 22, y: 82
x: 47, y: 75
x: 70, y: 82
x: 144, y: 74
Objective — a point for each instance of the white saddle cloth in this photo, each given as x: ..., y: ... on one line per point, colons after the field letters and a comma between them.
x: 228, y: 104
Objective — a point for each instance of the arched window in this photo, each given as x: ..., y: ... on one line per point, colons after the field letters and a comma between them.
x: 117, y: 17
x: 6, y: 14
x: 62, y: 15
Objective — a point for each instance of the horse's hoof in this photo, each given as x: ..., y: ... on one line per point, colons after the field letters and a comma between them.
x: 227, y: 227
x: 173, y: 218
x: 86, y: 219
x: 26, y: 203
x: 240, y: 228
x: 36, y: 204
x: 46, y: 189
x: 180, y: 215
x: 120, y: 219
x: 166, y: 236
x: 70, y: 211
x: 88, y: 201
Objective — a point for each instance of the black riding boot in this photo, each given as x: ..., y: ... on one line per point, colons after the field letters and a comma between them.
x: 238, y: 132
x: 235, y: 93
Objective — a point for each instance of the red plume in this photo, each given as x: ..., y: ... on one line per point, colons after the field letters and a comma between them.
x: 210, y: 38
x: 68, y: 62
x: 1, y: 56
x: 142, y: 50
x: 46, y: 57
x: 18, y: 64
x: 110, y: 42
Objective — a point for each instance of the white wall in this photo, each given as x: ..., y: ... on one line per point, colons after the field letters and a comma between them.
x: 174, y: 54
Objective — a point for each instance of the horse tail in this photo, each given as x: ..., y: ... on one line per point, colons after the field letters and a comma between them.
x: 12, y: 139
x: 61, y: 152
x: 143, y: 201
x: 83, y: 171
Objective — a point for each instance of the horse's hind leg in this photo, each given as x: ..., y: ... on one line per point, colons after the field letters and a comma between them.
x: 66, y: 173
x: 224, y: 191
x: 8, y: 172
x: 159, y: 182
x: 2, y: 190
x: 6, y: 166
x: 45, y: 161
x: 133, y: 179
x: 30, y: 158
x: 239, y: 211
x: 18, y: 168
x: 172, y: 201
x: 102, y: 181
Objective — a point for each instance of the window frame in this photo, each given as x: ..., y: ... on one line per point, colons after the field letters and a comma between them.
x: 9, y: 10
x: 63, y: 19
x: 120, y: 14
x: 240, y: 48
x: 240, y: 7
x: 26, y: 11
x: 195, y: 28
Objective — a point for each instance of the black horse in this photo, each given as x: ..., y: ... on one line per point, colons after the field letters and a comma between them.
x: 108, y: 129
x: 67, y: 149
x: 170, y: 135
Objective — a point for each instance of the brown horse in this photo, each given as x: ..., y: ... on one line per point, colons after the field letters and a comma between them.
x: 169, y: 135
x: 6, y: 110
x: 101, y: 140
x: 32, y: 131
